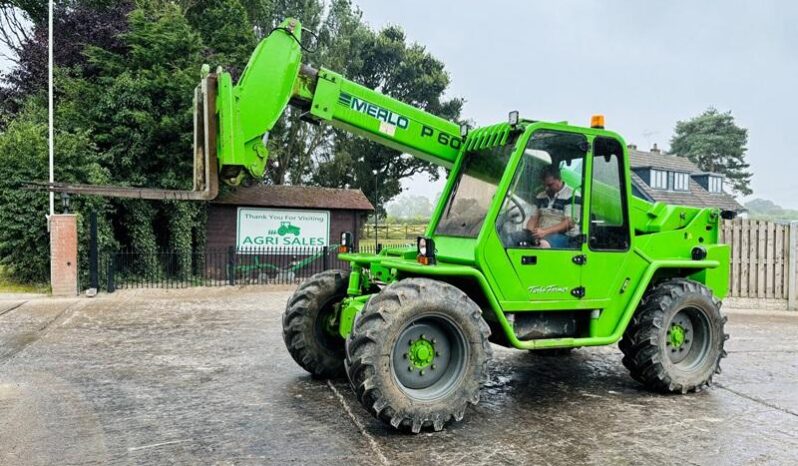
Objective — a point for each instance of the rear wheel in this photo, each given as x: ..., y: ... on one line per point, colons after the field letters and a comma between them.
x: 675, y: 340
x: 417, y: 354
x: 309, y: 332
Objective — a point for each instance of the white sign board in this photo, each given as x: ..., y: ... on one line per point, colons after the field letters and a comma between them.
x: 256, y: 228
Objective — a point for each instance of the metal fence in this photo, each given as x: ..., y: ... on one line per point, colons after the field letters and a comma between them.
x: 125, y: 269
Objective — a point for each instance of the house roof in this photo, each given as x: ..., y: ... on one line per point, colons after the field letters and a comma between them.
x: 658, y: 160
x: 304, y: 197
x: 696, y: 195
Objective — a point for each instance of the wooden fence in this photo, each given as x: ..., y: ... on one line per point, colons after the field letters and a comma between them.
x: 763, y: 259
x: 393, y: 231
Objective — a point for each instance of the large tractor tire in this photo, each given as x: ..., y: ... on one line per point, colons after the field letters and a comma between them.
x: 417, y: 354
x: 674, y: 342
x: 307, y: 331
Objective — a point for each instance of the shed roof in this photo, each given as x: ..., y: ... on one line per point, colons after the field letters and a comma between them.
x: 302, y: 197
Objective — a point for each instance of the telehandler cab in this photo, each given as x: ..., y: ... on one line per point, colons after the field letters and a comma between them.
x: 411, y: 329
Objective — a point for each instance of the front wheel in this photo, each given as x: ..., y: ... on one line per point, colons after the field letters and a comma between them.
x: 417, y: 354
x: 308, y: 324
x: 674, y: 343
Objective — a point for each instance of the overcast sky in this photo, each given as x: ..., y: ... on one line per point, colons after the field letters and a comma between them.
x: 644, y: 65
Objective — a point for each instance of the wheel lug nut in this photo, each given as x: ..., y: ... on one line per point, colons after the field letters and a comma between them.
x: 410, y: 369
x: 421, y: 336
x: 434, y: 341
x: 421, y: 372
x: 437, y: 353
x: 410, y: 342
x: 433, y: 367
x: 404, y: 356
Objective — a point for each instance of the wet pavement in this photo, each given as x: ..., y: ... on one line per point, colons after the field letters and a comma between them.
x: 201, y: 376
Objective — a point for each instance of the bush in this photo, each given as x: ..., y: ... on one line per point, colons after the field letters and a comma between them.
x: 24, y: 240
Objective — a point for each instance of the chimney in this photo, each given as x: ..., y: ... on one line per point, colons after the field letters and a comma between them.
x: 632, y: 146
x: 655, y: 150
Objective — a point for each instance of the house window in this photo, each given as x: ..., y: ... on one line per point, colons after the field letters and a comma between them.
x: 659, y: 179
x: 715, y: 184
x: 680, y: 181
x: 674, y: 181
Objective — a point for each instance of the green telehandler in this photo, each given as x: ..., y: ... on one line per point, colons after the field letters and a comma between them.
x: 412, y: 328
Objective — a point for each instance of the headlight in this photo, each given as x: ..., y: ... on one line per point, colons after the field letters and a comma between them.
x: 346, y: 242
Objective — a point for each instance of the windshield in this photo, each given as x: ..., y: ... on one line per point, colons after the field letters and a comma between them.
x: 473, y: 191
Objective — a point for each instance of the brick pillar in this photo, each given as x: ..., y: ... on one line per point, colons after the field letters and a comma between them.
x: 64, y: 254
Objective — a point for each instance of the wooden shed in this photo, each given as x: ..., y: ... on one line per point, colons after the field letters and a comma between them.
x: 285, y: 216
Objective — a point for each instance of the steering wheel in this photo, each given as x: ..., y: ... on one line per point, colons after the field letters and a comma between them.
x: 516, y: 205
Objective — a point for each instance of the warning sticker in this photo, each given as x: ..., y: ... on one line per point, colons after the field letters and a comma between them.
x: 387, y: 128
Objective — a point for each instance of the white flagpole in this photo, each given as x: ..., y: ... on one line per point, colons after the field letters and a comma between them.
x: 51, y: 146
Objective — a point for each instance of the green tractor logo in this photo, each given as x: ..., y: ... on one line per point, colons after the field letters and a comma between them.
x: 287, y: 228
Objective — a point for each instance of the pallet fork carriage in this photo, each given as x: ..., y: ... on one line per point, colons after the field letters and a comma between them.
x: 412, y: 329
x: 206, y: 163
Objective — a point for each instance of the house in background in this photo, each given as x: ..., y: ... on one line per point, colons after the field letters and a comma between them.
x: 658, y: 176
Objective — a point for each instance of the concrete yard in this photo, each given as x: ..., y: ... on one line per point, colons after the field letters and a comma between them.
x: 201, y: 376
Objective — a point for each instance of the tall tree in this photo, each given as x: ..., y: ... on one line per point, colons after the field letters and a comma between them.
x: 715, y: 143
x: 76, y: 26
x: 385, y: 61
x: 225, y: 30
x: 140, y: 119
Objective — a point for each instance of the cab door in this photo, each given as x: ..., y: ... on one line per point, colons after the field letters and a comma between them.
x: 550, y: 270
x: 609, y: 232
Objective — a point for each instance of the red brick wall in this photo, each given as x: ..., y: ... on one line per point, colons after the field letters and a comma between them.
x: 64, y: 254
x: 221, y: 228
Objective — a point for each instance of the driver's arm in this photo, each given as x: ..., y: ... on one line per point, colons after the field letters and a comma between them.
x: 561, y: 227
x: 533, y: 221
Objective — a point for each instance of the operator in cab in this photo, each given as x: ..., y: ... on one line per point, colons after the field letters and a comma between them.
x: 553, y: 225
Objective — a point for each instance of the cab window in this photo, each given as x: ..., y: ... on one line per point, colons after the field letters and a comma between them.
x: 543, y: 206
x: 609, y: 219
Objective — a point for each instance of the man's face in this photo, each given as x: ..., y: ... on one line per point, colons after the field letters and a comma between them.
x: 552, y: 184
